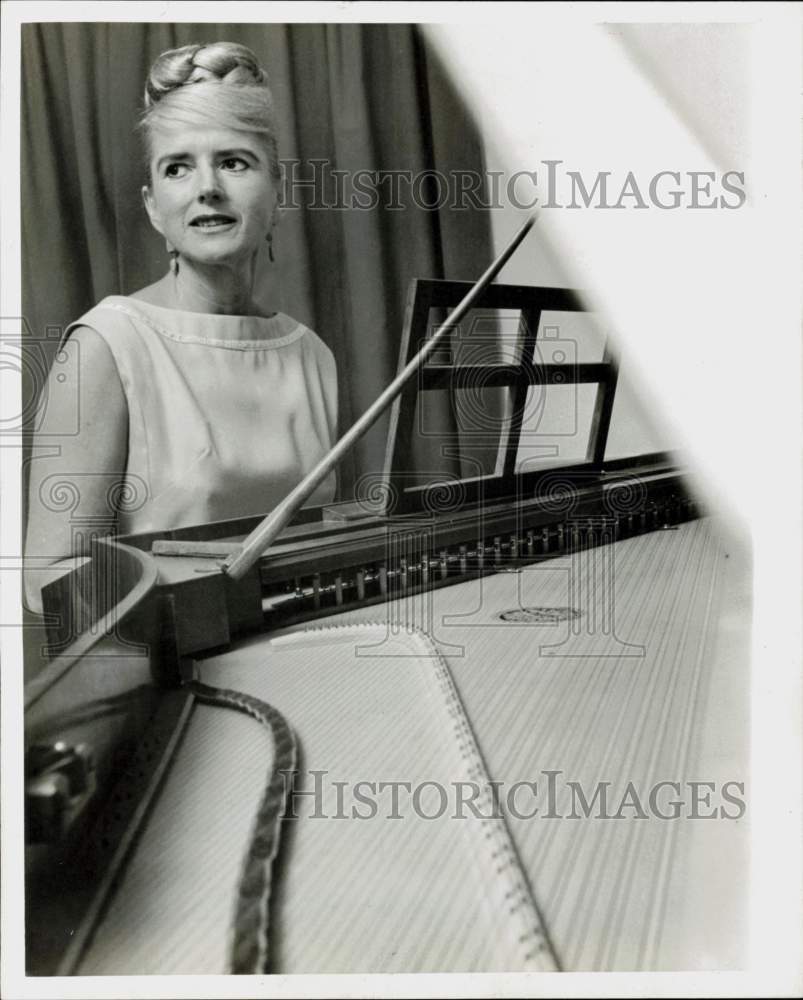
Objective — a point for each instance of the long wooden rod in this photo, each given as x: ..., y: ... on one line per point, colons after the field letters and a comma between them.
x: 238, y: 564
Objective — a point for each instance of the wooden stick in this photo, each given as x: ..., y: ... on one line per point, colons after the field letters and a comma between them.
x: 238, y: 563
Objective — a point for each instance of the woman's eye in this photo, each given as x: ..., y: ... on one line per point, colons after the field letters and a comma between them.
x: 234, y: 163
x: 175, y: 169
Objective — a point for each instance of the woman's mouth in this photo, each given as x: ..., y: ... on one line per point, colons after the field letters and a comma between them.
x: 215, y: 221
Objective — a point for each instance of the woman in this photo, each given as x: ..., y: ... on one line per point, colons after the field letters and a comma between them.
x: 195, y: 403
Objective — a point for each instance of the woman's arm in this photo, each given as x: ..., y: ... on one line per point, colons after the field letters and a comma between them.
x: 71, y: 488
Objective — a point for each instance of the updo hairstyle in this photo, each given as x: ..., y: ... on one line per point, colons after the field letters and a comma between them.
x: 220, y: 85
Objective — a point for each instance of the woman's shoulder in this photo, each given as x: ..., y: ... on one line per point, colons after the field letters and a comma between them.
x: 316, y: 346
x: 109, y: 312
x: 129, y: 319
x: 315, y: 342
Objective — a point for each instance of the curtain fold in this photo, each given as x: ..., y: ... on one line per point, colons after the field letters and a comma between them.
x: 357, y: 97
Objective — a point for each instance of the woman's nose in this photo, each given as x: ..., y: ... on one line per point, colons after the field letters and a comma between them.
x: 209, y: 188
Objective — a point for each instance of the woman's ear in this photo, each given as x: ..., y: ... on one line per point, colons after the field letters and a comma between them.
x: 150, y: 208
x: 278, y: 208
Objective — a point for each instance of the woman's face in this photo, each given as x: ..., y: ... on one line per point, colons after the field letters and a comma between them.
x: 211, y: 195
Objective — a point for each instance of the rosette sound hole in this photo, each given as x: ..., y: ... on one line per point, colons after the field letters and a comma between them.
x: 540, y: 615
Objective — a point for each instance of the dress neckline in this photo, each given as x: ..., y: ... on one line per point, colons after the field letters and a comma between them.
x: 212, y: 329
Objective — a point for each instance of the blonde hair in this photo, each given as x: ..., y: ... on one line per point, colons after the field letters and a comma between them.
x: 217, y: 85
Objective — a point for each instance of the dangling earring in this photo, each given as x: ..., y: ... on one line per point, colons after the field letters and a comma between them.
x: 173, y: 260
x: 269, y: 238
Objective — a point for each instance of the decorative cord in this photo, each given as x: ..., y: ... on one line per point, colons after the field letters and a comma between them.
x: 249, y: 950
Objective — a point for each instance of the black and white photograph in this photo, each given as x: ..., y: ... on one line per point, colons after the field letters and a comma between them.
x: 401, y: 535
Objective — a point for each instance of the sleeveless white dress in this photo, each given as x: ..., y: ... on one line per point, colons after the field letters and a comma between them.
x: 225, y: 413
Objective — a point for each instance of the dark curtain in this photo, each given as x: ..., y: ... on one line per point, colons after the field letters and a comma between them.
x: 360, y: 97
